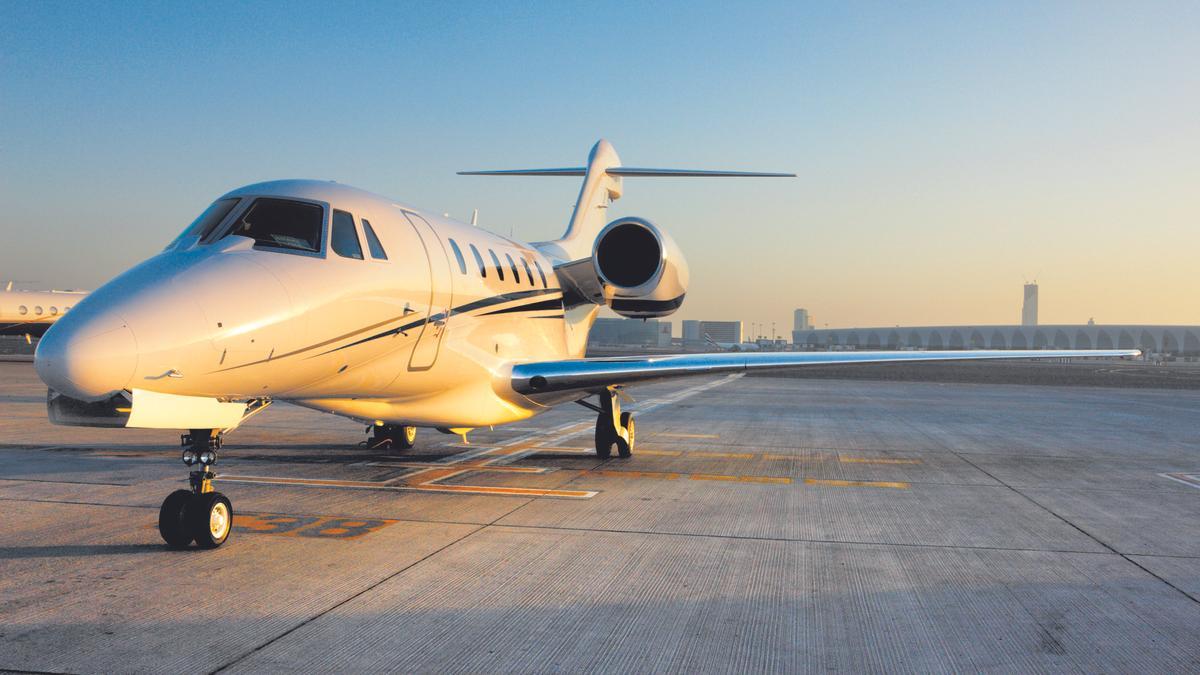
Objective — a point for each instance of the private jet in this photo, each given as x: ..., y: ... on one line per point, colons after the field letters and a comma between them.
x: 30, y: 313
x: 333, y: 298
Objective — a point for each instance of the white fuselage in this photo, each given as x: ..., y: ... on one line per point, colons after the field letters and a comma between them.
x: 423, y: 337
x: 32, y: 312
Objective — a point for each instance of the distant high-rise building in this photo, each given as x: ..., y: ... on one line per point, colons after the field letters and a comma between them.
x: 722, y: 331
x: 1029, y: 309
x: 691, y: 332
x: 664, y: 334
x: 800, y: 320
x: 629, y: 332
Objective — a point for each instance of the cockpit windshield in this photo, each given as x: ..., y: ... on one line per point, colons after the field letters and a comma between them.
x: 206, y: 222
x: 282, y: 223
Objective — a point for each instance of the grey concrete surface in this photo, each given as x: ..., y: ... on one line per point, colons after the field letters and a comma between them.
x: 763, y: 525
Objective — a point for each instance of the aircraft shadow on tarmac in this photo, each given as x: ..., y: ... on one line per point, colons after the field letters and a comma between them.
x: 22, y: 552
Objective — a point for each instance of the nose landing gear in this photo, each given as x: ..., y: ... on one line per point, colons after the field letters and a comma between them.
x: 200, y: 514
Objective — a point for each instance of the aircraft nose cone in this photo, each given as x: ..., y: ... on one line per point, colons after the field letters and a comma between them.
x: 87, y: 362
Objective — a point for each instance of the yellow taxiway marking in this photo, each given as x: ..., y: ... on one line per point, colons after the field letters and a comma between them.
x: 670, y: 435
x: 317, y: 482
x: 667, y: 475
x: 669, y: 453
x: 308, y: 526
x: 660, y: 453
x: 872, y: 460
x: 501, y: 468
x: 779, y: 480
x: 491, y: 490
x: 855, y: 483
x: 661, y: 475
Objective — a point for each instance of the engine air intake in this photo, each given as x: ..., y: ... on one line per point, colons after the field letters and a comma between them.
x: 629, y: 254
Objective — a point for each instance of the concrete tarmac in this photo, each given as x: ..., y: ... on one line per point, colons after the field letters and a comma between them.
x: 763, y: 524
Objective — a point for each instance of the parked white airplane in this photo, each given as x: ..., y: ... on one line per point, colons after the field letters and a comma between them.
x: 344, y: 301
x: 30, y: 313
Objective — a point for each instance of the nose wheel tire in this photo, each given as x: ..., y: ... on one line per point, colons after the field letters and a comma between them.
x: 210, y: 518
x: 203, y: 518
x: 625, y: 447
x: 173, y: 520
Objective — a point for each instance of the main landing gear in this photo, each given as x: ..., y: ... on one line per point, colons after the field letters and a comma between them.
x: 613, y: 427
x: 199, y: 514
x: 392, y: 436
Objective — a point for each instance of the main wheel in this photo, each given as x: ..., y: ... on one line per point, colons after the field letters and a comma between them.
x: 172, y: 519
x: 604, y: 436
x: 404, y: 438
x: 210, y: 517
x: 625, y: 447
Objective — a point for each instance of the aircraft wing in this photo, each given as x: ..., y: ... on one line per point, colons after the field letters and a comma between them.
x: 557, y: 381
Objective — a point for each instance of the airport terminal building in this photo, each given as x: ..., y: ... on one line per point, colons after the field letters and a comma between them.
x: 1174, y: 340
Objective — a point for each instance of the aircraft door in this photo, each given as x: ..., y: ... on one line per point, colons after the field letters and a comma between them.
x: 441, y: 295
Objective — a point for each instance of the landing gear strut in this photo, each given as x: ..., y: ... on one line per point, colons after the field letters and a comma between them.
x: 199, y: 514
x: 613, y: 427
x: 394, y: 436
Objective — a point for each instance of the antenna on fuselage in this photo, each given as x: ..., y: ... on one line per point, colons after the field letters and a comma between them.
x: 475, y: 218
x: 9, y: 286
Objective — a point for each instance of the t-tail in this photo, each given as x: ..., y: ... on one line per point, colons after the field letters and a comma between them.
x: 601, y: 186
x: 629, y: 264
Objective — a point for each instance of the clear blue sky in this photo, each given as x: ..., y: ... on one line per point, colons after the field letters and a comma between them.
x: 946, y: 152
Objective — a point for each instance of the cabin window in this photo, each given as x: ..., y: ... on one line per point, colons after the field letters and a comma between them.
x: 53, y: 310
x: 462, y: 262
x: 23, y: 310
x: 478, y: 260
x: 345, y: 237
x: 37, y: 309
x: 513, y: 265
x: 208, y: 221
x: 528, y: 272
x: 373, y: 242
x: 541, y: 274
x: 496, y: 261
x: 283, y: 224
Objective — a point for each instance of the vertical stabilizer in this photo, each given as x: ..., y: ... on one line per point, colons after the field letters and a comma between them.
x: 591, y: 208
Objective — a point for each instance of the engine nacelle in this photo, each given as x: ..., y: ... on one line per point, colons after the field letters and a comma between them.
x: 640, y: 270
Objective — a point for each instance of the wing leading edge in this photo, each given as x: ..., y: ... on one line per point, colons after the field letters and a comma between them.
x: 553, y: 381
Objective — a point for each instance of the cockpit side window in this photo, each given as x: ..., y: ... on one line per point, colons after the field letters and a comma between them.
x: 282, y: 223
x: 344, y: 239
x: 208, y: 221
x: 373, y: 242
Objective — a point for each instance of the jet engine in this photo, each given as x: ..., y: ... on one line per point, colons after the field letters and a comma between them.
x: 640, y: 270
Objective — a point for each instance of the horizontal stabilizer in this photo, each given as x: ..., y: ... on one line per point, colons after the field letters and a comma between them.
x: 631, y: 172
x: 570, y: 171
